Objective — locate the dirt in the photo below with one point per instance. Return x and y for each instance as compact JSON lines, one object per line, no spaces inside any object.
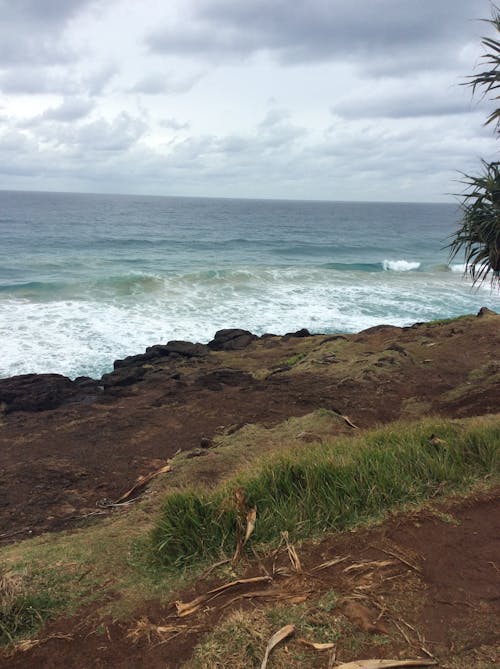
{"x":431,"y":578}
{"x":62,"y":464}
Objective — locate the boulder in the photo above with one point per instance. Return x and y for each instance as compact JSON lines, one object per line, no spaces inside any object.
{"x":125,"y":376}
{"x":484,"y":311}
{"x":36,"y":392}
{"x":187,"y":349}
{"x":135,"y":360}
{"x":232,"y":339}
{"x":304,"y":332}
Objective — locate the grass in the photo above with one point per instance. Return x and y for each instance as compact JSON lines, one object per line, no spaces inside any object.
{"x":327,"y":487}
{"x":21,"y":612}
{"x":305,"y":488}
{"x":240,"y":640}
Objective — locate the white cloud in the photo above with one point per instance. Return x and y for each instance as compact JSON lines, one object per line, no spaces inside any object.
{"x":326,"y":99}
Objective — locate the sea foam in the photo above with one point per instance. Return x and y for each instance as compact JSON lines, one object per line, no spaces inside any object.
{"x":400,"y":265}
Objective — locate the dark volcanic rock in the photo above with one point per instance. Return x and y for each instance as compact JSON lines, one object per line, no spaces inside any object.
{"x":135,"y":360}
{"x":125,"y":376}
{"x":304,"y":332}
{"x":232,"y":339}
{"x":185,"y":349}
{"x":484,"y":311}
{"x":35,"y":392}
{"x":175,"y":349}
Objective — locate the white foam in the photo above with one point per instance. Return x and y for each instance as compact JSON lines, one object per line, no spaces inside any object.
{"x":84,"y":336}
{"x":400,"y":265}
{"x":458,"y":267}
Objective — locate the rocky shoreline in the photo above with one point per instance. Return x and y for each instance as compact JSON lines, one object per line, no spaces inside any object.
{"x":66,"y":445}
{"x":41,"y":392}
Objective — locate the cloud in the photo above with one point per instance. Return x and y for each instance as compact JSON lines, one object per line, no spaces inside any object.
{"x":386,"y":35}
{"x":393,"y":98}
{"x":174,"y":124}
{"x":31,"y":30}
{"x":71,"y":109}
{"x":41,"y":80}
{"x":164,"y":84}
{"x":116,"y":135}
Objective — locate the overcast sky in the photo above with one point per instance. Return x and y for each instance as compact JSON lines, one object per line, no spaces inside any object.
{"x":307,"y":99}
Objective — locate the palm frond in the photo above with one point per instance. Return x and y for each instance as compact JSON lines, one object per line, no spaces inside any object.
{"x":479,"y":235}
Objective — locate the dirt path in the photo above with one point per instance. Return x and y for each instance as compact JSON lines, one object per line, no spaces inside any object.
{"x":431,"y":580}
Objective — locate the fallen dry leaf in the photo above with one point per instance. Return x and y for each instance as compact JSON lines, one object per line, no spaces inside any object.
{"x":364,"y":618}
{"x":349,"y":422}
{"x":385,"y":664}
{"x":329,"y":563}
{"x":144,"y":629}
{"x":187,"y":608}
{"x":292,"y":554}
{"x":316,"y":646}
{"x":141,"y":482}
{"x":251,"y":519}
{"x":277,"y":638}
{"x":360,"y":566}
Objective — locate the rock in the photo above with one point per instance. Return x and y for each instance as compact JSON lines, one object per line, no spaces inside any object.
{"x":135,"y":360}
{"x":232,"y":339}
{"x":184,"y":349}
{"x":187,"y":349}
{"x":206,"y":442}
{"x":123,"y":377}
{"x":304,"y":332}
{"x":85,"y":382}
{"x":484,"y":311}
{"x":35,"y":392}
{"x":174,"y":349}
{"x":195,"y":453}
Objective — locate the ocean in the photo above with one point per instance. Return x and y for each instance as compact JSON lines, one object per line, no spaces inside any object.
{"x":86,"y":279}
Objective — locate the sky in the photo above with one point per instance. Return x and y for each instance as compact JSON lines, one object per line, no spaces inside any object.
{"x":297,"y":99}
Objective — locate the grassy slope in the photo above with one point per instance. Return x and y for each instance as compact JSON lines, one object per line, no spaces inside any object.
{"x":306,"y":488}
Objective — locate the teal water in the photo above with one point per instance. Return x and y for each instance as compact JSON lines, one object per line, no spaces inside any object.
{"x":86,"y":279}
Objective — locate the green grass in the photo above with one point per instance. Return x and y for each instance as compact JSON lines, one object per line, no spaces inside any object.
{"x":22,"y":612}
{"x":328,"y":487}
{"x":294,"y":359}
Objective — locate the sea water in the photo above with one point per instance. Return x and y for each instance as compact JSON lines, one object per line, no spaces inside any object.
{"x":86,"y":279}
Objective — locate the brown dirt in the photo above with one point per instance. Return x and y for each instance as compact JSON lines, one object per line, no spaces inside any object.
{"x":431,"y":579}
{"x":58,"y":464}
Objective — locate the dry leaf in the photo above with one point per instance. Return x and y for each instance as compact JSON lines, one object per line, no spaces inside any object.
{"x":329,"y":563}
{"x":144,"y":629}
{"x":364,"y":618}
{"x":316,"y":646}
{"x":292,"y":554}
{"x":350,"y":423}
{"x":385,"y":664}
{"x":277,"y":638}
{"x":251,"y":518}
{"x":379,"y":564}
{"x":141,"y":482}
{"x":186,"y":609}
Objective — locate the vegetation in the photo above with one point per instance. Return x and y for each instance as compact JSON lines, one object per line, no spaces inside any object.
{"x":328,"y":487}
{"x":479,"y":234}
{"x":21,"y":612}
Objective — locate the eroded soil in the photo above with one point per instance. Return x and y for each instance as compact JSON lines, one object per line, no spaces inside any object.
{"x":439,"y":594}
{"x":58,"y":465}
{"x":430,"y":579}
